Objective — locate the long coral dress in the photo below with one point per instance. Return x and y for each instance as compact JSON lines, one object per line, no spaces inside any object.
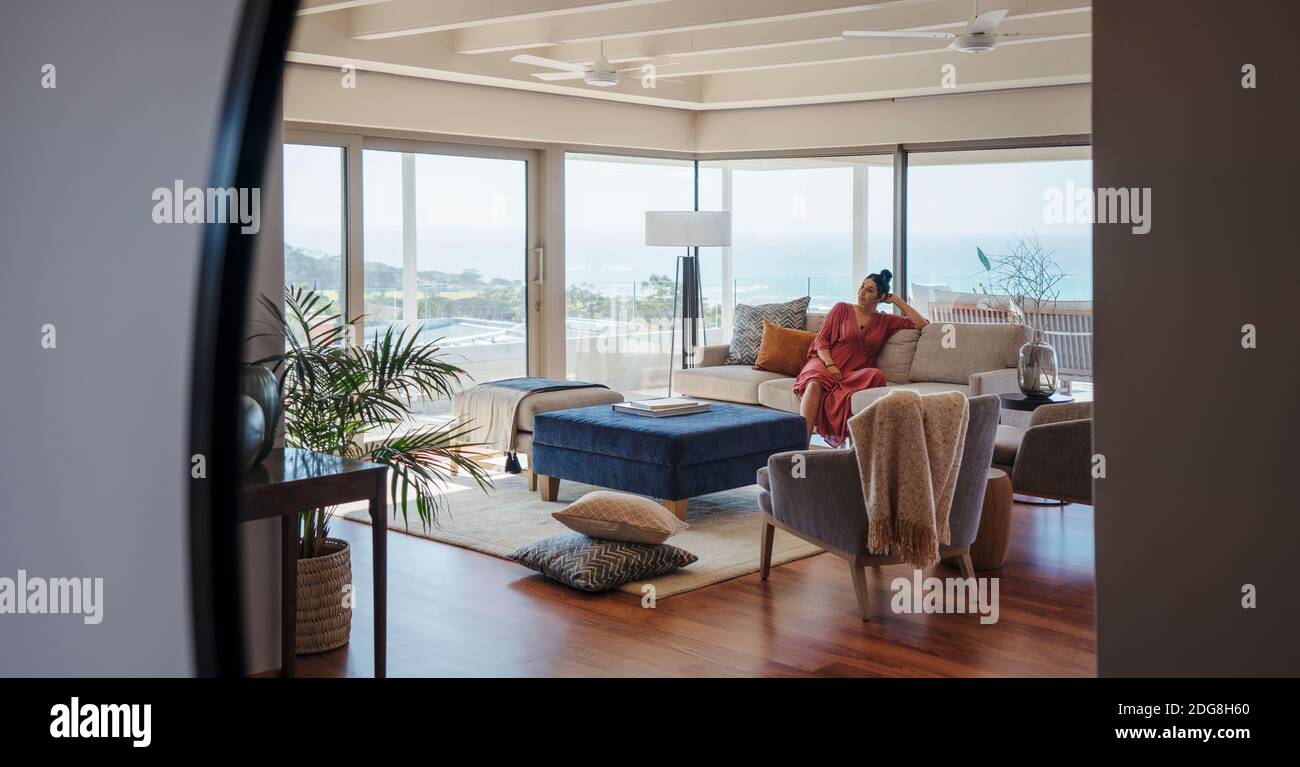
{"x":854,"y":352}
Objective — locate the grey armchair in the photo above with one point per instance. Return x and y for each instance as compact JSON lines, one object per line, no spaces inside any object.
{"x":1052,"y":458}
{"x":825,"y":505}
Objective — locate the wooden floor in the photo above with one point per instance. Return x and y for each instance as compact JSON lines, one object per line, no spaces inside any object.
{"x":455,"y":612}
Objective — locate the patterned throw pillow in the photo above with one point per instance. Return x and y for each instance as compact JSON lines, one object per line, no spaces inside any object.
{"x":620,"y":517}
{"x":748,"y":333}
{"x":591,"y":565}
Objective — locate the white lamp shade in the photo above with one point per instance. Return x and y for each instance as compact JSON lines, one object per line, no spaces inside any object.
{"x":688,"y":228}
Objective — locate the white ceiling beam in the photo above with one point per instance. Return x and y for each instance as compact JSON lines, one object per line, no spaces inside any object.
{"x":1037,"y":31}
{"x":400,"y":18}
{"x":943,"y":15}
{"x":312,"y":7}
{"x":671,"y":16}
{"x":758,"y":72}
{"x":323,"y":40}
{"x":1012,"y":66}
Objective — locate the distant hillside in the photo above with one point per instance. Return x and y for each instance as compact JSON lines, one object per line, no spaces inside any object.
{"x":303,"y":268}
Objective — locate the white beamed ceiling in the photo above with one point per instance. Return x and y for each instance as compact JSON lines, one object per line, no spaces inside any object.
{"x":719,"y":54}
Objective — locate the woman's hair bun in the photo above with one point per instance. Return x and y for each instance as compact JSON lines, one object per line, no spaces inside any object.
{"x":882,"y":280}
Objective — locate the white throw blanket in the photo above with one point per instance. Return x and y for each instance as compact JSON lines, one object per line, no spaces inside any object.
{"x":491,"y":411}
{"x":909,"y":450}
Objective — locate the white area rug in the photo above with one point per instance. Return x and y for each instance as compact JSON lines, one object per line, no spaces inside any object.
{"x":723,"y":533}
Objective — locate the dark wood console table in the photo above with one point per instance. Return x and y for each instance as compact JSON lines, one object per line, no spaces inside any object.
{"x":291,"y":480}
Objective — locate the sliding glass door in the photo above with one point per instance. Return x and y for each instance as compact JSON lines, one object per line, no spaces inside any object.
{"x":996,"y":200}
{"x":618,"y":290}
{"x":1024,"y":210}
{"x":807,"y":226}
{"x":446,"y":254}
{"x":315,"y":220}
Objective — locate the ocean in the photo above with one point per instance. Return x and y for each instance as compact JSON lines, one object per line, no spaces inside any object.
{"x":766,"y":266}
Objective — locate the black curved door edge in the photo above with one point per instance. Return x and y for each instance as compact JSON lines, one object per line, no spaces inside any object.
{"x":248,"y":107}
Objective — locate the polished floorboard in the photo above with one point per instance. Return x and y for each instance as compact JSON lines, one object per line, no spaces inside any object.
{"x":456,"y":612}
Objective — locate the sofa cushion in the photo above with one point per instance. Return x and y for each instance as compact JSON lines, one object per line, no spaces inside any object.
{"x":728,"y":383}
{"x":865,"y":397}
{"x":546,"y":401}
{"x":814,"y":322}
{"x":778,"y":394}
{"x":620,"y":517}
{"x":594,"y":565}
{"x":895,"y":357}
{"x":972,"y":348}
{"x":747,"y":332}
{"x":783,"y":350}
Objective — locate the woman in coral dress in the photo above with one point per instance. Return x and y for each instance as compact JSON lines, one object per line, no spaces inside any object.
{"x":842,"y":358}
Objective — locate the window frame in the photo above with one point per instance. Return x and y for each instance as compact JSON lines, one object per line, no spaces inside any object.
{"x":545,"y":204}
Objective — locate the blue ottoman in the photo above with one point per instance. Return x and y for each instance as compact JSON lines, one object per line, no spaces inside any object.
{"x":673,"y":458}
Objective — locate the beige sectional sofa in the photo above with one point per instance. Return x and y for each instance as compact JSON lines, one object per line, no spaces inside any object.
{"x":978,"y":359}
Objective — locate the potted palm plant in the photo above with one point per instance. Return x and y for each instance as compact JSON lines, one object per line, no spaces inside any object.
{"x":1024,"y":283}
{"x":358,"y":402}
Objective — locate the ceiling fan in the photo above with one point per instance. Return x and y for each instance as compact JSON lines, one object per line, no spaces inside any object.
{"x":599,"y":73}
{"x":978,"y":37}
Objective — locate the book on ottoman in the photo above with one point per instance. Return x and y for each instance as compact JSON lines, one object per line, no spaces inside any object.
{"x":664,"y":406}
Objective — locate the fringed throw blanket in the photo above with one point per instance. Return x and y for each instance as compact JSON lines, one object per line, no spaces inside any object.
{"x":909,"y":449}
{"x":492,"y":408}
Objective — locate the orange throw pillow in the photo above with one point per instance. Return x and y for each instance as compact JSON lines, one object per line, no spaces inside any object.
{"x":783,"y":350}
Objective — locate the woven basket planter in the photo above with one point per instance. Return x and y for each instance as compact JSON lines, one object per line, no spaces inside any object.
{"x":324,"y":607}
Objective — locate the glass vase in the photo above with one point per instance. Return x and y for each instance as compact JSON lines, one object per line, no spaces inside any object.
{"x":1037,"y":368}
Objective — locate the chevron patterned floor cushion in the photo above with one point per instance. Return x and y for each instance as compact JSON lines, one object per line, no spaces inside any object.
{"x":590,"y":564}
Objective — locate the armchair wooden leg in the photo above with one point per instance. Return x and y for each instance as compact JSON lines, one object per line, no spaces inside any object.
{"x":532,"y":481}
{"x":859,"y":574}
{"x":765,"y":550}
{"x":966,"y":566}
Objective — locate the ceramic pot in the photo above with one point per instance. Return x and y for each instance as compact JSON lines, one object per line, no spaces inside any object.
{"x":252,"y":430}
{"x":259,"y":384}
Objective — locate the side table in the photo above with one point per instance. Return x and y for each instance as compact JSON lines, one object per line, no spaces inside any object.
{"x":989,"y":551}
{"x":291,"y":480}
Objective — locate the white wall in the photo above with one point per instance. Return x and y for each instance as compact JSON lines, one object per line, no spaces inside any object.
{"x":259,"y":542}
{"x":394,"y":102}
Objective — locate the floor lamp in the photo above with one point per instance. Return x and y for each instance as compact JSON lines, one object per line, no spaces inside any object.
{"x":690,"y":229}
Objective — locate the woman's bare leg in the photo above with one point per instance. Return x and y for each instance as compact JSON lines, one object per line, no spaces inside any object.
{"x":809,"y":405}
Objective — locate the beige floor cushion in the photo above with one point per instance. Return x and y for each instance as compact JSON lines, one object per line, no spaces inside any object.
{"x":620,"y":517}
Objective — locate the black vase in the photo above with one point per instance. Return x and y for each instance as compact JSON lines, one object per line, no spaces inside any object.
{"x":252,"y":430}
{"x":259,"y":385}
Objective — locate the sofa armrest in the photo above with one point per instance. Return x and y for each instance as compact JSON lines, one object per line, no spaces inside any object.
{"x":711,"y":356}
{"x":1055,"y":460}
{"x":823,"y":498}
{"x":1002,"y":381}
